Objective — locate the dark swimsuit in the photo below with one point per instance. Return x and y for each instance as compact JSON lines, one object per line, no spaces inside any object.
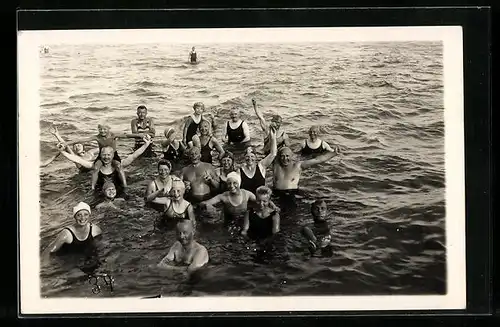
{"x":206,"y":152}
{"x":77,"y":246}
{"x":172,"y":154}
{"x":192,"y":128}
{"x":260,"y":228}
{"x":251,"y":184}
{"x":171,"y":214}
{"x":193,"y":56}
{"x":235,"y":135}
{"x":322,"y":232}
{"x":306,"y":150}
{"x":138,"y":142}
{"x":114,"y":178}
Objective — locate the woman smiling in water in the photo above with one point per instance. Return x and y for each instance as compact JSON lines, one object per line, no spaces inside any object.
{"x":176,"y":208}
{"x":158,"y":190}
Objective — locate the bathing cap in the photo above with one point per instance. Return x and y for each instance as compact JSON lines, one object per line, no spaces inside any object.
{"x":234,"y":176}
{"x":107,"y":185}
{"x":169,"y":132}
{"x":81,"y":206}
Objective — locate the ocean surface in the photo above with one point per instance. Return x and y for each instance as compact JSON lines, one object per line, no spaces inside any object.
{"x":381,"y":102}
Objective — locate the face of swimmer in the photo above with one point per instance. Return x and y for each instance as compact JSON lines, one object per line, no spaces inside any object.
{"x":78,"y":148}
{"x":171,"y":136}
{"x":263,"y":201}
{"x":194,"y":155}
{"x":205,"y":128}
{"x":82,"y":217}
{"x":250,"y":158}
{"x":110,"y":192}
{"x":234,"y":115}
{"x":142,"y":112}
{"x":185,"y":232}
{"x":226,"y":163}
{"x":232,"y":186}
{"x":103,"y":130}
{"x":198,"y":109}
{"x":275,"y":123}
{"x":177,"y":191}
{"x":285,"y":156}
{"x":313,"y":133}
{"x":163,"y":171}
{"x":319,"y":211}
{"x":107,"y":155}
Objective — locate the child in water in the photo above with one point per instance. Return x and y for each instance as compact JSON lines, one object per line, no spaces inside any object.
{"x":318,"y":234}
{"x":110,"y":200}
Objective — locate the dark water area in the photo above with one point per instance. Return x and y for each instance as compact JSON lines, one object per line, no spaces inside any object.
{"x":381,"y":102}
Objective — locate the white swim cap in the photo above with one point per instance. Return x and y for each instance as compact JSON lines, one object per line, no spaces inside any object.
{"x":81,"y":206}
{"x":234,"y":176}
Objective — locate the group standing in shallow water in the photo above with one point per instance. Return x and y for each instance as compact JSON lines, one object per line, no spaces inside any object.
{"x":189,"y":183}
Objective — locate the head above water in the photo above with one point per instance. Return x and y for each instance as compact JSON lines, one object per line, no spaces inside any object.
{"x":164,"y":167}
{"x":194,"y":154}
{"x":169,"y":133}
{"x":227,"y":161}
{"x":81,"y":213}
{"x":198,"y":108}
{"x":107,"y":154}
{"x":103,"y":129}
{"x":318,"y":210}
{"x":142,"y":112}
{"x":313,"y":132}
{"x":250,"y":157}
{"x":263,"y":196}
{"x":276,"y":121}
{"x":178,"y":189}
{"x":205,"y":128}
{"x":109,"y":190}
{"x":192,"y":48}
{"x":233,"y":181}
{"x":78,"y":148}
{"x":185,"y":231}
{"x":234,"y":114}
{"x":285,"y":155}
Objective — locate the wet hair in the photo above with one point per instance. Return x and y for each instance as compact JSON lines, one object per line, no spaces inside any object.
{"x":316,"y":204}
{"x":192,"y":149}
{"x":314,"y":127}
{"x":263,"y":191}
{"x":103,"y":125}
{"x":198,"y":104}
{"x":141,"y":107}
{"x":204,"y":121}
{"x":164,"y":162}
{"x":108,"y":185}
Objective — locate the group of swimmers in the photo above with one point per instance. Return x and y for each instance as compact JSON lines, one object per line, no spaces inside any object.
{"x":189,"y":183}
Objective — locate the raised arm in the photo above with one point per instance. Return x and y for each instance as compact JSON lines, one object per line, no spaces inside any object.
{"x":320,"y":159}
{"x":246,"y":131}
{"x":127,"y":161}
{"x":268,"y":160}
{"x":187,"y":121}
{"x":262,"y":121}
{"x":218,"y":147}
{"x":199,"y":260}
{"x":83,"y":141}
{"x":75,"y":158}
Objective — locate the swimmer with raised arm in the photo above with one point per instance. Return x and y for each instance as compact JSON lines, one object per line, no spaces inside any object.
{"x":108,"y":171}
{"x":276,"y":121}
{"x":236,"y":130}
{"x":193,"y":121}
{"x":207,"y":143}
{"x":315,"y":145}
{"x":185,"y":252}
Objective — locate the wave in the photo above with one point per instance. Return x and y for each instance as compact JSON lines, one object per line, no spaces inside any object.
{"x":377,"y":83}
{"x":90,"y":95}
{"x":54,"y":104}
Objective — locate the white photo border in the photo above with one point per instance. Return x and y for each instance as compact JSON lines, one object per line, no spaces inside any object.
{"x":31,"y":302}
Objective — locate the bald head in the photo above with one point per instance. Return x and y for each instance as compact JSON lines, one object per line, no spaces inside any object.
{"x":285,"y":155}
{"x":185,"y":231}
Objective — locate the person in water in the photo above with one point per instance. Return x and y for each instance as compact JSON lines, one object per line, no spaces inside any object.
{"x":201,"y":178}
{"x":234,"y":201}
{"x":237,"y":130}
{"x":206,"y":142}
{"x":78,"y":237}
{"x":106,"y":138}
{"x":110,"y":199}
{"x":108,"y":171}
{"x":192,"y":123}
{"x":143,"y":125}
{"x":276,"y":121}
{"x":263,"y":221}
{"x":78,"y":149}
{"x":314,"y":145}
{"x":253,"y":173}
{"x":286,"y":172}
{"x":173,"y":149}
{"x":158,"y":190}
{"x":226,"y":167}
{"x":176,"y":207}
{"x":185,"y":252}
{"x":318,"y":235}
{"x":193,"y":57}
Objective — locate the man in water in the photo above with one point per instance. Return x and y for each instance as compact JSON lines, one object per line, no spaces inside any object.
{"x":186,"y":251}
{"x":143,"y":125}
{"x":286,"y":173}
{"x":192,"y":56}
{"x":201,"y":178}
{"x":276,"y":125}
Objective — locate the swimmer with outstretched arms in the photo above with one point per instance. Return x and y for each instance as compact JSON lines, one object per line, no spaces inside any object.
{"x":193,"y":121}
{"x":185,"y":252}
{"x":201,"y":178}
{"x":315,"y":145}
{"x":276,"y":121}
{"x":286,"y":171}
{"x":78,"y":149}
{"x":143,"y":125}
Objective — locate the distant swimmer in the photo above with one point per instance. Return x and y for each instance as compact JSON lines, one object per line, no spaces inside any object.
{"x":78,"y":237}
{"x":276,"y":121}
{"x":143,"y":125}
{"x":237,"y":130}
{"x":110,"y":199}
{"x":158,"y":190}
{"x":314,"y":145}
{"x":192,"y":123}
{"x":207,"y":142}
{"x":286,"y":171}
{"x":185,"y":252}
{"x":193,"y":56}
{"x":201,"y":178}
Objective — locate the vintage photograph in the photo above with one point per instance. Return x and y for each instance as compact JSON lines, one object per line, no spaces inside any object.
{"x":238,"y":164}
